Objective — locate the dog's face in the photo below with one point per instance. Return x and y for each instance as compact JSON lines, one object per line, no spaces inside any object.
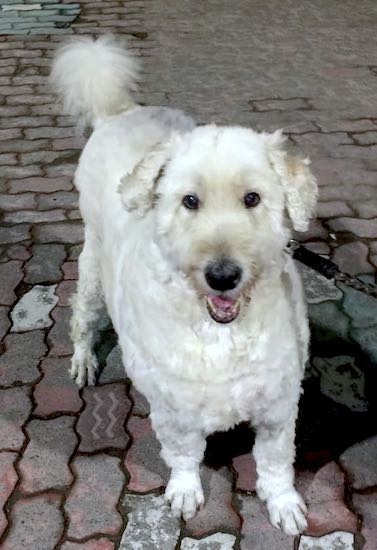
{"x":219,"y":210}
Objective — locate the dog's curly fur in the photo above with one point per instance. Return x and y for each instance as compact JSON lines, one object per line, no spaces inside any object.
{"x":159,"y":265}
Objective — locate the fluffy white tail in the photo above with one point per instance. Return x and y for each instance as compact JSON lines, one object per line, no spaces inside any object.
{"x":94,"y":78}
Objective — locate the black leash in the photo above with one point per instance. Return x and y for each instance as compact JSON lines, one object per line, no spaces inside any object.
{"x":328,"y":269}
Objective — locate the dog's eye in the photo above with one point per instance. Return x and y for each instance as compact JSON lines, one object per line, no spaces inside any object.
{"x":191,"y":202}
{"x":251,"y":200}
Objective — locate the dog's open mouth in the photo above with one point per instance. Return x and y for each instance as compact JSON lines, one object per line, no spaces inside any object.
{"x":222,"y":309}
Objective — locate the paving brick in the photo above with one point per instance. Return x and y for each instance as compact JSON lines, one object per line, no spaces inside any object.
{"x":37,"y":523}
{"x":141,"y":405}
{"x":317,"y":288}
{"x":352,"y":258}
{"x":114,"y":370}
{"x":44,"y":463}
{"x":60,"y":199}
{"x":328,"y":322}
{"x":8,"y":159}
{"x":19,"y":252}
{"x":45,"y":263}
{"x":217,"y":514}
{"x":334,"y":541}
{"x":56,"y":392}
{"x":22,"y":146}
{"x":359,"y":461}
{"x":366,"y":339}
{"x":333,"y":209}
{"x":33,"y":309}
{"x":245,"y":468}
{"x":14,"y":234}
{"x":15,"y":407}
{"x":315,"y":231}
{"x":92,"y":503}
{"x":324,"y":497}
{"x":257,"y":532}
{"x":21,"y":171}
{"x":361,"y":228}
{"x":61,"y":232}
{"x":74,"y":252}
{"x":147,"y":470}
{"x":26,"y":121}
{"x":222,"y":541}
{"x":8,"y":480}
{"x":10,"y":275}
{"x":70,"y":270}
{"x":40,"y":185}
{"x":58,"y":337}
{"x":15,"y":365}
{"x":33,"y":216}
{"x":68,"y":143}
{"x":365,"y":209}
{"x":18,"y":202}
{"x":150,"y":522}
{"x":65,"y":291}
{"x":49,"y":132}
{"x":360,"y":307}
{"x":4,"y":321}
{"x":366,"y":506}
{"x":94,"y":544}
{"x":10,"y":133}
{"x":100,"y":425}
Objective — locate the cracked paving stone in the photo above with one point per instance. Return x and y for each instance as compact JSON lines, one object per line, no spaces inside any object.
{"x":339,"y":540}
{"x":15,"y":407}
{"x":94,"y":544}
{"x":101,"y":424}
{"x":360,"y":463}
{"x":15,"y":365}
{"x":328,"y":321}
{"x":342,"y":381}
{"x":257,"y":532}
{"x":8,"y":480}
{"x":10,"y":275}
{"x":36,"y":523}
{"x":317,"y":288}
{"x":361,"y":308}
{"x":58,"y":337}
{"x":45,"y":264}
{"x":33,"y":310}
{"x":366,"y":505}
{"x":92,"y":503}
{"x":218,"y":541}
{"x":245,"y":468}
{"x":114,"y":370}
{"x":56,"y":392}
{"x":147,"y":470}
{"x":44,"y":464}
{"x":323,"y":493}
{"x":151,"y":524}
{"x":217,"y":514}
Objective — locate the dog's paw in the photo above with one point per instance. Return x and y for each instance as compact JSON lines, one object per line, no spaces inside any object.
{"x":288,"y":512}
{"x":84,"y":366}
{"x":185,"y":494}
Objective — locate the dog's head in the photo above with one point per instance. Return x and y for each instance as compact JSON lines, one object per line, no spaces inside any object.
{"x":221,"y":200}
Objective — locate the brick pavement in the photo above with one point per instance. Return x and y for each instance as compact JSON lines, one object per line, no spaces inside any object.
{"x":72,"y":480}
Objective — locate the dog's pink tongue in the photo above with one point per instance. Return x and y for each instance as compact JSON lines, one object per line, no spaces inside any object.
{"x":223,"y":302}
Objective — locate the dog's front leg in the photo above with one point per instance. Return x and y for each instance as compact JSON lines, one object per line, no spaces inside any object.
{"x":274,"y":452}
{"x":182,"y":448}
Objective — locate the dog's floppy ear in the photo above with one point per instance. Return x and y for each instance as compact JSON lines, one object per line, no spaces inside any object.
{"x":138,"y":188}
{"x":299,"y":184}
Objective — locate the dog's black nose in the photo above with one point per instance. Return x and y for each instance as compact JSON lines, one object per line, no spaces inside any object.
{"x":223,"y":275}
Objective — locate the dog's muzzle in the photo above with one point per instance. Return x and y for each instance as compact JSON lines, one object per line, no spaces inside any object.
{"x":222,"y":275}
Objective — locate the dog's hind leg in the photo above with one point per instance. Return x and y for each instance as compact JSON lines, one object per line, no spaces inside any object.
{"x":183,"y":448}
{"x":86,"y":305}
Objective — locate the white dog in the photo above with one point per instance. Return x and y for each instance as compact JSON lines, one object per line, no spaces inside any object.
{"x":186,"y":230}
